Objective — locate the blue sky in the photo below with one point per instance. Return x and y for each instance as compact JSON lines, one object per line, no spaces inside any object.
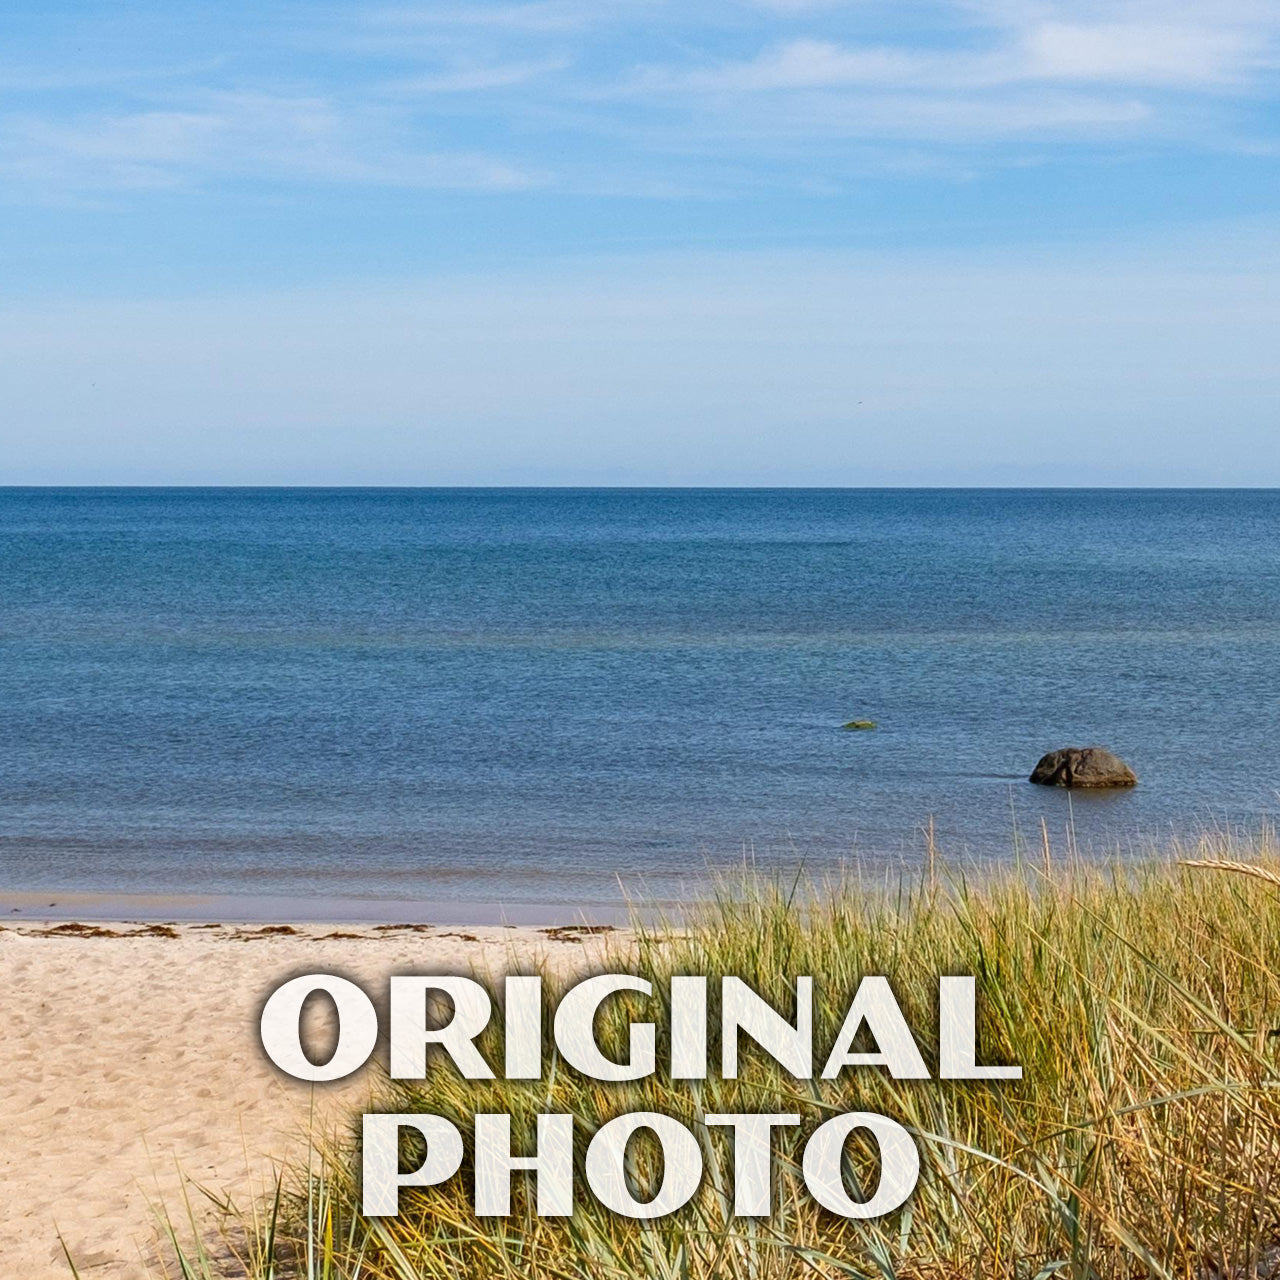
{"x":767,"y":241}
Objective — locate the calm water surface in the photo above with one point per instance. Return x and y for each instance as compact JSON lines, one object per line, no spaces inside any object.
{"x":521,"y":695}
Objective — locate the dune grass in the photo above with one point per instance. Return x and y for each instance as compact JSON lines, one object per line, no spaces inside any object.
{"x":1143,"y":1004}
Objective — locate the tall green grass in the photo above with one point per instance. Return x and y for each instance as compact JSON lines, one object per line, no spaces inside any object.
{"x":1143,"y":1140}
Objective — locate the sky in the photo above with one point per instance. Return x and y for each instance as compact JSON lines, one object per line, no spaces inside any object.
{"x":637,"y":242}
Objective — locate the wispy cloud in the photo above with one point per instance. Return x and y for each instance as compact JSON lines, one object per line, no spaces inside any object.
{"x":950,"y":118}
{"x":235,"y":134}
{"x":535,"y":16}
{"x":1007,"y":69}
{"x":640,"y":96}
{"x":1186,"y":56}
{"x":477,"y":79}
{"x":79,"y":74}
{"x":1131,"y":54}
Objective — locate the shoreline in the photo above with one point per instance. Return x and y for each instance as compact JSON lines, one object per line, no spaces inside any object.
{"x":52,"y":906}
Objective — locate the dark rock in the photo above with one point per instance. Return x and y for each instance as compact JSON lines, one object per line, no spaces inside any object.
{"x":1083,"y":767}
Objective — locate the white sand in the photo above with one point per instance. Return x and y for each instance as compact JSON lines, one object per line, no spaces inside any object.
{"x":130,"y":1067}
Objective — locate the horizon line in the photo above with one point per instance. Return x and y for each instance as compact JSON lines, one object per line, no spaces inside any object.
{"x":641,"y":488}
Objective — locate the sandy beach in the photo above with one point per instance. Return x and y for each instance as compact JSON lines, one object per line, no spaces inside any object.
{"x":130,"y":1069}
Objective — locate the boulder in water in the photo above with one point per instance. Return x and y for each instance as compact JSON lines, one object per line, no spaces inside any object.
{"x":1083,"y":767}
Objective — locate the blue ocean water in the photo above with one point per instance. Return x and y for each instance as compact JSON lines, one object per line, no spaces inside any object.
{"x":520,"y":696}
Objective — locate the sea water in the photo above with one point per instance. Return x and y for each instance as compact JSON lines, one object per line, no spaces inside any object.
{"x":553,"y":696}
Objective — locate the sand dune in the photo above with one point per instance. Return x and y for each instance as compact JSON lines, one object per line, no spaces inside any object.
{"x":130,"y":1070}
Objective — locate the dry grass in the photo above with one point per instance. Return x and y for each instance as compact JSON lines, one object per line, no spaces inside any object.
{"x":1144,"y":1140}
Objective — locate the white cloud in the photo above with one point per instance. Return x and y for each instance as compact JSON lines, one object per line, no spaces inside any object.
{"x":86,"y":73}
{"x":792,"y":8}
{"x":953,"y":118}
{"x":1024,"y":69}
{"x":1139,"y":54}
{"x":535,"y":16}
{"x":632,"y":96}
{"x":802,"y":64}
{"x":1130,"y":54}
{"x":147,"y":149}
{"x":262,"y":135}
{"x":477,"y":79}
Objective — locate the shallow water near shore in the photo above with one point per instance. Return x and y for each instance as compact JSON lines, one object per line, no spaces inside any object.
{"x":523,"y":697}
